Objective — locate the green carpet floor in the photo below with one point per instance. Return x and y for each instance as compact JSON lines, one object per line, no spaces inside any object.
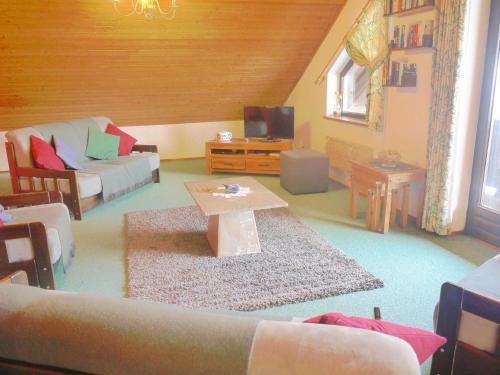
{"x":412,"y":264}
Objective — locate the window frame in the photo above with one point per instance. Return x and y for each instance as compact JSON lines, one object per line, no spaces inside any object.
{"x":340,"y":82}
{"x":334,"y":97}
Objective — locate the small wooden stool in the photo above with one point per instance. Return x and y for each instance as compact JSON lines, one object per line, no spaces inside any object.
{"x":384,"y":184}
{"x":373,"y":208}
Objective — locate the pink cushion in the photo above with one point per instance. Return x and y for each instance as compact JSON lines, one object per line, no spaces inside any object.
{"x":44,"y":155}
{"x":423,"y":342}
{"x":126,"y":140}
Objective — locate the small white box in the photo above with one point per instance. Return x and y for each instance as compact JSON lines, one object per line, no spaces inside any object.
{"x":224,"y":136}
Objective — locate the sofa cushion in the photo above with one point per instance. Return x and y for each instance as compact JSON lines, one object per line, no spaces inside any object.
{"x":44,"y":155}
{"x":66,"y":154}
{"x":74,"y":133}
{"x":127,"y":142}
{"x":20,"y":138}
{"x":102,"y":122}
{"x":423,"y":342}
{"x":102,"y":146}
{"x":89,"y":184}
{"x":57,"y":222}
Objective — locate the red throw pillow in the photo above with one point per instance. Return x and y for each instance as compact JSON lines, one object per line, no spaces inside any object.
{"x":44,"y":155}
{"x":423,"y":342}
{"x":126,"y":140}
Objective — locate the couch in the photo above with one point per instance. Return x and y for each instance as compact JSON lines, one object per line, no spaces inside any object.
{"x":82,"y":190}
{"x":62,"y":331}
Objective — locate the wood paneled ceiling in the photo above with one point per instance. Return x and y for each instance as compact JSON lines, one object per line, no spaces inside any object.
{"x":63,"y":59}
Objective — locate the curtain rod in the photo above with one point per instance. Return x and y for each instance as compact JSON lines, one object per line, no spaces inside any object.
{"x":321,"y":77}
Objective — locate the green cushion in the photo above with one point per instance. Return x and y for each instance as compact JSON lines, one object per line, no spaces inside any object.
{"x":101,"y":145}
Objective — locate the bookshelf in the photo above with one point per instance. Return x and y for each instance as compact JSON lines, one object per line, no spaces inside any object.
{"x":399,"y":86}
{"x":412,"y":10}
{"x":414,"y":34}
{"x":422,"y":48}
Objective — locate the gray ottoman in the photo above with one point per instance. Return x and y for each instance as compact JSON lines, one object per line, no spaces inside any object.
{"x":304,"y":171}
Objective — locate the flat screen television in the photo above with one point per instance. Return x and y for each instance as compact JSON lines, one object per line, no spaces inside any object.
{"x":269,"y":122}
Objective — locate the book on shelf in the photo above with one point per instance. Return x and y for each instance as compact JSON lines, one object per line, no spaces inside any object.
{"x":427,"y":33}
{"x":409,"y":75}
{"x":416,"y":35}
{"x":394,"y":6}
{"x":400,"y":74}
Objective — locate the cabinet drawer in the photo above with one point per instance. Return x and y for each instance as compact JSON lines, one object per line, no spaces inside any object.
{"x":263,"y":164}
{"x":228,"y":163}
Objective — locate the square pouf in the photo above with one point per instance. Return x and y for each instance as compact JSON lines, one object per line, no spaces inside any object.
{"x":304,"y":171}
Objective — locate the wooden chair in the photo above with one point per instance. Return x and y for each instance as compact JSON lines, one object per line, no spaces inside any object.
{"x":37,"y":271}
{"x":457,"y":357}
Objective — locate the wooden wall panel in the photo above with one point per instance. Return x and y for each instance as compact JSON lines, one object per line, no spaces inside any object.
{"x":64,"y":59}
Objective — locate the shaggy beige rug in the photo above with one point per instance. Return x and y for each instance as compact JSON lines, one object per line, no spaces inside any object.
{"x":169,"y":260}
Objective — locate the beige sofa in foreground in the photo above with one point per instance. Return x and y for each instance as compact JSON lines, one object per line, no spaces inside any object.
{"x":99,"y":335}
{"x":82,"y":190}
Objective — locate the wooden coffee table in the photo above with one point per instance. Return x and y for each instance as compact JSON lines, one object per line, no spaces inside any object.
{"x":231,"y":221}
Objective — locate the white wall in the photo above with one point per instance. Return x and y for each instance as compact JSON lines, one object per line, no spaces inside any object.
{"x":183,"y":140}
{"x":407,"y":109}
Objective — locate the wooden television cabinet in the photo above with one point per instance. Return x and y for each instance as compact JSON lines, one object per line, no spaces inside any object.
{"x":245,"y":156}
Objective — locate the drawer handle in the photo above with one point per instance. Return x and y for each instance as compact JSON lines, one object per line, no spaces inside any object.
{"x":228,"y":164}
{"x":263,"y":165}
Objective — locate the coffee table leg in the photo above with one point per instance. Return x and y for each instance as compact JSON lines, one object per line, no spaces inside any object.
{"x":233,"y":234}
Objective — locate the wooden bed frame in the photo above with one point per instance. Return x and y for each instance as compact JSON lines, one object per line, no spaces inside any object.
{"x":456,"y":357}
{"x":38,"y":270}
{"x":72,"y":199}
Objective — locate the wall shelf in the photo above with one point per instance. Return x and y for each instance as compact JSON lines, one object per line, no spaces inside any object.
{"x":431,"y":49}
{"x":414,"y":10}
{"x":398,"y":86}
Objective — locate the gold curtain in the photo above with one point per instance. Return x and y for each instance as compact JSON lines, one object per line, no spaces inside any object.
{"x":366,"y":44}
{"x":447,"y":70}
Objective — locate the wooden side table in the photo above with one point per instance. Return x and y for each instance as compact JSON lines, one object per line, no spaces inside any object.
{"x":369,"y":178}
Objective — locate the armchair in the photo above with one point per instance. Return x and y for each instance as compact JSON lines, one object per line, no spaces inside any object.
{"x":39,"y":237}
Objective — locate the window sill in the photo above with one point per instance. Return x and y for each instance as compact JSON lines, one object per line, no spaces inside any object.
{"x":349,"y":120}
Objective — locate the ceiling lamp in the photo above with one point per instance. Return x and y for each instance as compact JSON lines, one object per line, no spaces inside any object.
{"x":149,"y":8}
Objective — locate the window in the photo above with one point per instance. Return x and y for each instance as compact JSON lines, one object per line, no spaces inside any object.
{"x":347,"y":89}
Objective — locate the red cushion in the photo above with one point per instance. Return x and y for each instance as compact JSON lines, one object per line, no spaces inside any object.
{"x":126,"y":140}
{"x":44,"y":155}
{"x":423,"y":342}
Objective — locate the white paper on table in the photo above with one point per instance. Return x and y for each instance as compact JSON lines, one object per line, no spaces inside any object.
{"x":243,"y":192}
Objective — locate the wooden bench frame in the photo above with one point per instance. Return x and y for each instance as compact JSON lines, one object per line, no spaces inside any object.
{"x":39,"y":270}
{"x":72,"y":199}
{"x":456,"y":357}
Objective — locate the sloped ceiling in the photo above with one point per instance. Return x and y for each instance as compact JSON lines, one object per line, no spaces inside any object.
{"x":63,"y":59}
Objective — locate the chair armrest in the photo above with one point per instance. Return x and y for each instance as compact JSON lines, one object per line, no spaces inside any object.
{"x":39,"y":269}
{"x":71,"y":198}
{"x":44,"y":173}
{"x":145,"y":148}
{"x":31,"y":199}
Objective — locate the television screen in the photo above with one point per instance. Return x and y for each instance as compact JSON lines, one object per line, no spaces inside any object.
{"x":274,"y":122}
